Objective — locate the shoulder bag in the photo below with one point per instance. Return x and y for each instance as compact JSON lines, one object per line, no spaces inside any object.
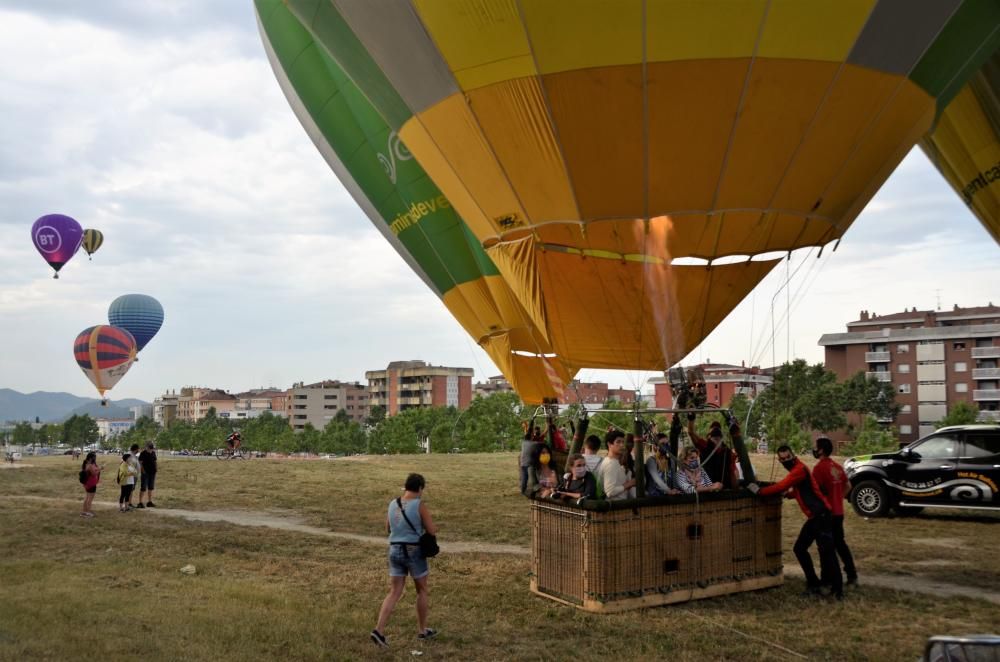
{"x":428,"y":541}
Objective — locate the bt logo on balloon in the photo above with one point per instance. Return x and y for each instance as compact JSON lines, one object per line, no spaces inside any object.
{"x":48,"y":239}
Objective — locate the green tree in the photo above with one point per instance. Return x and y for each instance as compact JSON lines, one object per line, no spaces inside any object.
{"x":80,"y":430}
{"x":490,"y":424}
{"x":786,"y":430}
{"x":376,"y":414}
{"x":866,"y":396}
{"x":342,"y":416}
{"x":961,"y":414}
{"x":871,"y":438}
{"x":24,"y":434}
{"x":810,"y":393}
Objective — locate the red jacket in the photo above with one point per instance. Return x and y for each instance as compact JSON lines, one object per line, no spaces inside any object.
{"x":832,"y":483}
{"x":558,"y":442}
{"x":804,"y":489}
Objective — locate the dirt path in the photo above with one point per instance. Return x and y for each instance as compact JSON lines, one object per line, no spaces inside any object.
{"x":911,"y":584}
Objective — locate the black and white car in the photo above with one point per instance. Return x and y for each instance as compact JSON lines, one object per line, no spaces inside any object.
{"x":954,"y":467}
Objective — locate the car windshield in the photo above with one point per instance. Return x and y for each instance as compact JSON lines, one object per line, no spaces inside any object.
{"x":943,"y":446}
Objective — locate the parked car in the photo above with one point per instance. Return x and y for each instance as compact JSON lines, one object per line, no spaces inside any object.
{"x":954,"y":467}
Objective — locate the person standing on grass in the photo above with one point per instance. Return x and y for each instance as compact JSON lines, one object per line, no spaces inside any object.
{"x":832,"y":482}
{"x":147,"y":482}
{"x":406,"y":521}
{"x":801,"y":485}
{"x":123,"y":481}
{"x":134,"y":472}
{"x":90,"y":473}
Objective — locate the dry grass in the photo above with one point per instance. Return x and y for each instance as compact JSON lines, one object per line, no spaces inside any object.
{"x":71,"y":588}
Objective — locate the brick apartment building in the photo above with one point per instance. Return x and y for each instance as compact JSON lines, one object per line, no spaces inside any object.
{"x":596,"y":393}
{"x":319,"y":403}
{"x":406,"y":384}
{"x":497,"y":384}
{"x":933,"y":359}
{"x":722,"y":382}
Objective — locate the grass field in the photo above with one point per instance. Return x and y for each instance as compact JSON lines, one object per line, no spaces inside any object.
{"x":110,"y":587}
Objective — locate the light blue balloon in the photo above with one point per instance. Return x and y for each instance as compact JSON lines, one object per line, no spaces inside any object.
{"x":139,"y":314}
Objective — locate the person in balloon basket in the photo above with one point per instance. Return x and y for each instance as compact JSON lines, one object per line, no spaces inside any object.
{"x":147,"y":481}
{"x":691,"y":477}
{"x":407,"y":519}
{"x":717,"y":458}
{"x":579,"y":483}
{"x":801,"y":485}
{"x":832,"y":481}
{"x":134,"y":473}
{"x":529,"y":443}
{"x":542,"y":476}
{"x":90,"y":476}
{"x":612,"y":473}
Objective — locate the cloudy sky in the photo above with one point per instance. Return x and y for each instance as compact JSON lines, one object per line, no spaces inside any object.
{"x":160,"y":123}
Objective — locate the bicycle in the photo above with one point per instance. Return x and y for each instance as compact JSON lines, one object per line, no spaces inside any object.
{"x":238,"y":453}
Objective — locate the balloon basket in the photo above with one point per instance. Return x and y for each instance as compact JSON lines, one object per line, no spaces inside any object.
{"x":606,"y":557}
{"x":104,"y":403}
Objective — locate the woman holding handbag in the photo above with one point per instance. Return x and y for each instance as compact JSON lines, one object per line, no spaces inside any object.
{"x":407,"y":521}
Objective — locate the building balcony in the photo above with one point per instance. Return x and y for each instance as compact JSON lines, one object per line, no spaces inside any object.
{"x":986,"y":395}
{"x":986,"y":373}
{"x":877,"y":357}
{"x":882,"y":376}
{"x":986,"y":352}
{"x":988,"y":417}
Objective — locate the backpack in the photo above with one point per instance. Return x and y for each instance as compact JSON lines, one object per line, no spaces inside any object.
{"x":83,"y":476}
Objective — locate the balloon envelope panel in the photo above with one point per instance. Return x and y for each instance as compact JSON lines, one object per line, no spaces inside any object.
{"x":140,"y":314}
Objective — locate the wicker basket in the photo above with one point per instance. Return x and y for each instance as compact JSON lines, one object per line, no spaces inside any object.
{"x":611,"y":556}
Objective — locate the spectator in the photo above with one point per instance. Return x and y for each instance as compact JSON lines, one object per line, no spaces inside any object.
{"x":691,"y":477}
{"x":147,"y":482}
{"x":90,"y":476}
{"x":407,"y":519}
{"x":126,"y":481}
{"x":134,"y":473}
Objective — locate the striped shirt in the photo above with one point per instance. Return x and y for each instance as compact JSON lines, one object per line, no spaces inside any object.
{"x":685,"y":485}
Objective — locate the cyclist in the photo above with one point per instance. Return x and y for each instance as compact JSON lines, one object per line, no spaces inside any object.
{"x":234,"y":441}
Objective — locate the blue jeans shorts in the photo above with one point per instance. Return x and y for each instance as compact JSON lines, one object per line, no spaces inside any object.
{"x":406,"y":560}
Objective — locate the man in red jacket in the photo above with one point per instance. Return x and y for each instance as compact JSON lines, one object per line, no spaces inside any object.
{"x":833,"y":483}
{"x":801,"y":485}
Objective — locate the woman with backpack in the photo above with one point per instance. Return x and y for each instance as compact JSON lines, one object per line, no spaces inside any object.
{"x":90,"y":476}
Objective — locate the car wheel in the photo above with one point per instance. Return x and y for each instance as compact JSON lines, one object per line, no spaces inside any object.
{"x":908,"y":511}
{"x":870,"y":499}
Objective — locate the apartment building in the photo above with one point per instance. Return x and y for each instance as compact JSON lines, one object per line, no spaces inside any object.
{"x":194,"y":402}
{"x":165,"y":409}
{"x":933,"y":359}
{"x":319,"y":403}
{"x":596,"y":393}
{"x":497,"y":384}
{"x":406,"y":384}
{"x":722,"y":382}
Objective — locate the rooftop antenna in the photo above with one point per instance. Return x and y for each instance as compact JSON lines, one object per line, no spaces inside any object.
{"x":938,"y":299}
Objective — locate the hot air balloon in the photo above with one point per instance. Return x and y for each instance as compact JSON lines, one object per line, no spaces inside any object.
{"x":139,"y":314}
{"x":57,"y":238}
{"x":965,"y":145}
{"x":92,"y":240}
{"x":104,"y":353}
{"x":632,"y":169}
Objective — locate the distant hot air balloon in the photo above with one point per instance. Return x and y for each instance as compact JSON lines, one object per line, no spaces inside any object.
{"x":594,"y":149}
{"x":140,"y":314}
{"x":104,"y":353}
{"x":57,"y":238}
{"x":92,"y":240}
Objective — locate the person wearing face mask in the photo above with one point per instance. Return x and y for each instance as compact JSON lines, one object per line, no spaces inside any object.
{"x":692,"y":477}
{"x":833,"y":483}
{"x":658,"y":469}
{"x":801,"y":485}
{"x":542,"y":477}
{"x":578,"y":483}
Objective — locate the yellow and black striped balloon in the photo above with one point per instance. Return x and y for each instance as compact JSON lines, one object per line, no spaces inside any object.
{"x":92,"y":240}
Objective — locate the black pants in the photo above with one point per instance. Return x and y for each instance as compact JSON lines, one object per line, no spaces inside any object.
{"x":843,"y":551}
{"x":819,"y":529}
{"x":125,"y":495}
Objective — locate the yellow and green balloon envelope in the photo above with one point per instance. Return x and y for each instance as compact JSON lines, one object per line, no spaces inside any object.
{"x":92,"y":240}
{"x":597,"y":183}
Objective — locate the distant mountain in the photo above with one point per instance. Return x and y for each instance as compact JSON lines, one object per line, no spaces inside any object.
{"x":57,"y":407}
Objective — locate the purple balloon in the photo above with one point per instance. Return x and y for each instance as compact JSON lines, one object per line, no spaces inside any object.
{"x":57,"y":238}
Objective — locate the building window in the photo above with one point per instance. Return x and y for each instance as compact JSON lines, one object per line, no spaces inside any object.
{"x":961,"y":388}
{"x":904,"y":388}
{"x":903,"y":368}
{"x":905,"y":429}
{"x":329,"y":397}
{"x":958,"y":346}
{"x":905,"y":409}
{"x":960,"y":366}
{"x":902,"y":348}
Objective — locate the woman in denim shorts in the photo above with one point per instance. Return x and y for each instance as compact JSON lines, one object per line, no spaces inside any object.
{"x":405,"y":557}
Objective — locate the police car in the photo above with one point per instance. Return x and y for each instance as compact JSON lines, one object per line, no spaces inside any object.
{"x":954,"y":467}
